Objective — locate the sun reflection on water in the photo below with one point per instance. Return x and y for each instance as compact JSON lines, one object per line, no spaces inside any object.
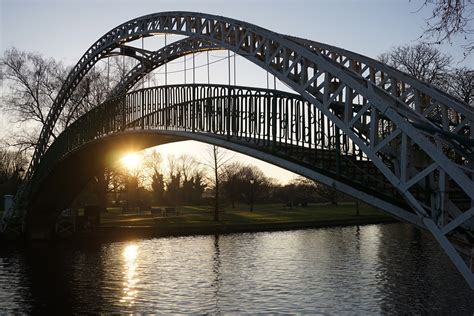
{"x":130,"y":254}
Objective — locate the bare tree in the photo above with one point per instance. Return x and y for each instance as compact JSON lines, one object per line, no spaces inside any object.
{"x":11,"y":163}
{"x":152,"y":162}
{"x":116,"y":69}
{"x":421,"y":61}
{"x":216,"y":162}
{"x":448,"y":19}
{"x":32,"y":83}
{"x":188,"y":166}
{"x":90,"y":92}
{"x":116,"y":184}
{"x":427,"y":63}
{"x":461,"y":84}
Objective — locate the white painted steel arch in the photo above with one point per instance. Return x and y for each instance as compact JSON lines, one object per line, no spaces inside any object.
{"x":419,"y":115}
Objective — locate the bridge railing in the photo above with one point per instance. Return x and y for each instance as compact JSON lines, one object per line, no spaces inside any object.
{"x":277,"y":122}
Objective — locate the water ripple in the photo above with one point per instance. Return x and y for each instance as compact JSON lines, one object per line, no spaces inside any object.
{"x":378,"y":269}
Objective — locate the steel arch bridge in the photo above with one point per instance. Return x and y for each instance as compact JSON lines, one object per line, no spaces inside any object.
{"x":354,"y":123}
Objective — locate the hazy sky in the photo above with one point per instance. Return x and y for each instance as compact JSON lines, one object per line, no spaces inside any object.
{"x":65,"y":29}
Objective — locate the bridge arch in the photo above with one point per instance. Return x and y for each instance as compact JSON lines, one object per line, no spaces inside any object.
{"x":240,"y":37}
{"x":425,"y":150}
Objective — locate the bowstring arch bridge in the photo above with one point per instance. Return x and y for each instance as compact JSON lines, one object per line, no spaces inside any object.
{"x":349,"y":122}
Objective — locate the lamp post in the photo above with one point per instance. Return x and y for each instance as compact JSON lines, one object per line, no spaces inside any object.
{"x":20,"y":172}
{"x":252,"y":181}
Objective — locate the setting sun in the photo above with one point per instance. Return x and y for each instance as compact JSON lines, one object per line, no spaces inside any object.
{"x":131,"y":161}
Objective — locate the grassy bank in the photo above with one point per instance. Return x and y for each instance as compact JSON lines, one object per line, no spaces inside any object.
{"x":199,"y":219}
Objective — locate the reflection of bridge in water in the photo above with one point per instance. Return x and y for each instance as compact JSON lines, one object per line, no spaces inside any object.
{"x":355,"y":124}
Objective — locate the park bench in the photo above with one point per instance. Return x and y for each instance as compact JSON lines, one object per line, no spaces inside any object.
{"x":156,"y":211}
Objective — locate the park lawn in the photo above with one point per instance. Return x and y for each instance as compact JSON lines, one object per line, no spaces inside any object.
{"x":202,"y":216}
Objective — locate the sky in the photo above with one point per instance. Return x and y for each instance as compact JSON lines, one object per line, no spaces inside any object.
{"x":65,"y":29}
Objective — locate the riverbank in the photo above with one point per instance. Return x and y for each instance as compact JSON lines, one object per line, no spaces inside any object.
{"x":198,"y":220}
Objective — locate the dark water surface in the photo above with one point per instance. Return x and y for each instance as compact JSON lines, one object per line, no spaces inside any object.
{"x":373,"y":269}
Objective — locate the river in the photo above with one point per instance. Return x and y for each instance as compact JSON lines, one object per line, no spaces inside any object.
{"x":374,"y":269}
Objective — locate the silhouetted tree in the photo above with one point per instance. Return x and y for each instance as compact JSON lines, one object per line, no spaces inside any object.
{"x":187,"y":191}
{"x":427,"y":63}
{"x":173,"y":189}
{"x":422,"y":61}
{"x":253,"y":184}
{"x":305,"y":190}
{"x":32,"y":83}
{"x":158,"y":187}
{"x":184,"y":182}
{"x":328,"y":193}
{"x":131,"y":188}
{"x":117,"y":185}
{"x":230,"y":182}
{"x":325,"y":192}
{"x":460,"y":84}
{"x":11,"y":163}
{"x":198,"y":187}
{"x":188,"y":167}
{"x":152,"y":169}
{"x":101,"y":187}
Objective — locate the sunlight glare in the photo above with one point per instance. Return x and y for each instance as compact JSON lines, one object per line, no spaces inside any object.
{"x":130,"y":254}
{"x":131,"y":161}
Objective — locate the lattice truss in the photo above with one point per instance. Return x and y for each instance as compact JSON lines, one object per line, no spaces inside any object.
{"x":419,"y":139}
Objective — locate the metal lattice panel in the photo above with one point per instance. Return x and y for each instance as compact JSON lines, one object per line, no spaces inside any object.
{"x":447,"y":112}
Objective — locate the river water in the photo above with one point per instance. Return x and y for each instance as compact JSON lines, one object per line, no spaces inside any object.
{"x":392,"y":268}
